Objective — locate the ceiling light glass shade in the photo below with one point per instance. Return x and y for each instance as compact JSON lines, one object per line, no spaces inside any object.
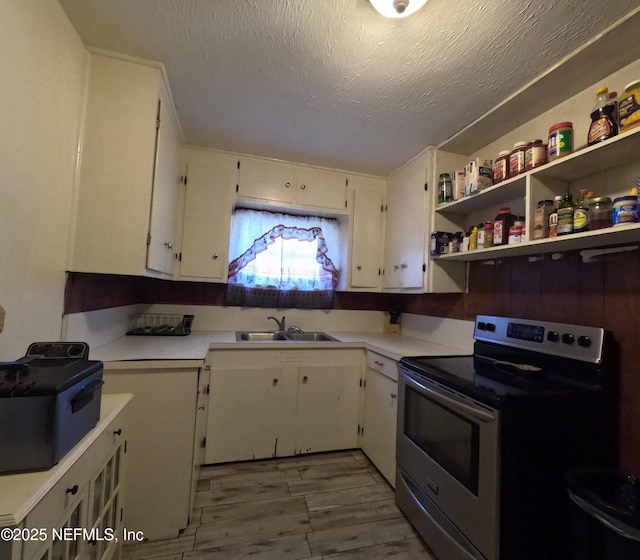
{"x":397,"y":8}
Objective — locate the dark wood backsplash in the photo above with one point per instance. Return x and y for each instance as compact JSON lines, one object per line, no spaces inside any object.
{"x":605,"y":292}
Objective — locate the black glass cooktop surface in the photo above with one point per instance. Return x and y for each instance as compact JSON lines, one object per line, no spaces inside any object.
{"x":501,"y":376}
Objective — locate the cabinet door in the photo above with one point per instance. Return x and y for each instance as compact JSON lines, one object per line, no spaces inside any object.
{"x":267,"y":180}
{"x":380,"y":420}
{"x":367,"y":234}
{"x":160,"y":443}
{"x":321,"y":188}
{"x":405,"y":229}
{"x":116,"y":176}
{"x":251,"y":414}
{"x":164,"y":200}
{"x":200,"y":438}
{"x":328,"y":398}
{"x":207,"y":219}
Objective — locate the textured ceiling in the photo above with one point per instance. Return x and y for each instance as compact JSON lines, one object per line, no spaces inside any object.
{"x":333,"y":83}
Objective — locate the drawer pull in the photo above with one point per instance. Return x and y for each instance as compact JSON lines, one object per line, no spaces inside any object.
{"x":118,"y":432}
{"x":275,"y":381}
{"x":305,"y":379}
{"x":73,"y":490}
{"x":378,"y":363}
{"x":394,"y":395}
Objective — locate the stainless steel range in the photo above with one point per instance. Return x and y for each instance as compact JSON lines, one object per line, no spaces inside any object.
{"x":484,"y":440}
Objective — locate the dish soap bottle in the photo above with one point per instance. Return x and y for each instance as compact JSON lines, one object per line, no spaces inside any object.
{"x":604,"y":124}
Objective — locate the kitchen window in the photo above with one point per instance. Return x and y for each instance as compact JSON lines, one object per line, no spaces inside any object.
{"x":283,"y":260}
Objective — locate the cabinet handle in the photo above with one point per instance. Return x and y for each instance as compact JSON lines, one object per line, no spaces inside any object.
{"x":201,"y":408}
{"x":303,"y":187}
{"x":73,"y":490}
{"x":395,"y":267}
{"x":359,"y":267}
{"x":288,"y":185}
{"x":215,"y":256}
{"x":118,"y":432}
{"x":305,"y":379}
{"x":275,"y":381}
{"x":403,"y":265}
{"x":394,"y":395}
{"x":168,"y":245}
{"x":378,"y":363}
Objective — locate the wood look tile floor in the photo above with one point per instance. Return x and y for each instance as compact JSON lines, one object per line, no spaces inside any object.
{"x":330,"y":506}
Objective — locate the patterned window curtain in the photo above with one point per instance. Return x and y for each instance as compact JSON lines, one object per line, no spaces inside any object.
{"x":280,"y":260}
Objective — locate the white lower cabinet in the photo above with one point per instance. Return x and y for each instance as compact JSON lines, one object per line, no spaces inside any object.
{"x":380,"y":414}
{"x":161,"y":442}
{"x":80,"y":516}
{"x":277,"y":403}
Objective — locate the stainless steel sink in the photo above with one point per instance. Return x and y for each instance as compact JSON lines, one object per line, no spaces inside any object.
{"x":310,"y":336}
{"x":259,"y":336}
{"x":276,"y":336}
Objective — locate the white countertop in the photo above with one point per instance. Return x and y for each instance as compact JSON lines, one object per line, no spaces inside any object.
{"x":194,"y":347}
{"x":20,"y":493}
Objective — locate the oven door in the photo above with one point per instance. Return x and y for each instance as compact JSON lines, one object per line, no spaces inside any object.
{"x":447,"y":448}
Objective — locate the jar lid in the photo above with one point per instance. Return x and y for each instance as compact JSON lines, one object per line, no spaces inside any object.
{"x":632,"y":85}
{"x":444,"y":175}
{"x":600,"y":200}
{"x":505,"y":210}
{"x":507,"y":152}
{"x":545,"y":202}
{"x":564,"y":124}
{"x":519,"y":145}
{"x":535,"y":141}
{"x":625,"y":199}
{"x":602,"y":90}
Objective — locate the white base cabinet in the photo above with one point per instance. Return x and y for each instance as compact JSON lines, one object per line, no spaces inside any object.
{"x":276,"y":403}
{"x":88,"y":495}
{"x":161,"y":443}
{"x":380,"y":414}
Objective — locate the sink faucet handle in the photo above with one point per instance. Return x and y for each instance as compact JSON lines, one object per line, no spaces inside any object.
{"x":295,"y":329}
{"x":281,"y":326}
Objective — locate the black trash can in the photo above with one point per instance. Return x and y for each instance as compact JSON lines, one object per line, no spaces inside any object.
{"x":605,"y":522}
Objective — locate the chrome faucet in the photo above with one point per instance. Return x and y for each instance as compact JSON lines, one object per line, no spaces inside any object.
{"x":281,"y":326}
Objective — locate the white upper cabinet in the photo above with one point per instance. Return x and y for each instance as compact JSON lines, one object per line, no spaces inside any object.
{"x":208,"y":200}
{"x":367,"y":233}
{"x":291,"y":185}
{"x":406,"y":224}
{"x":129,"y":165}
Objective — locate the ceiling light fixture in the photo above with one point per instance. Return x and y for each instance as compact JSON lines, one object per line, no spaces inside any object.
{"x":397,"y":8}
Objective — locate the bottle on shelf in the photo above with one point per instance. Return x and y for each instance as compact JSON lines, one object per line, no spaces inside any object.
{"x":604,"y":124}
{"x":553,"y":217}
{"x":445,"y":188}
{"x":565,"y":215}
{"x":581,"y":212}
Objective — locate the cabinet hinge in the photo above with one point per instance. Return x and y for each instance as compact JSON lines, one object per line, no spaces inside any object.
{"x":238,"y":164}
{"x":148,"y":239}
{"x":121,"y":513}
{"x":346,"y":181}
{"x":361,"y":382}
{"x":381,"y":208}
{"x":207,"y":368}
{"x":178,"y":257}
{"x":345,"y":203}
{"x":379,"y":272}
{"x":237,"y":187}
{"x":365,"y":384}
{"x":424,"y":267}
{"x":125,"y":446}
{"x":186,"y":180}
{"x":206,"y":391}
{"x":386,"y":208}
{"x":426,"y":186}
{"x":203,"y":444}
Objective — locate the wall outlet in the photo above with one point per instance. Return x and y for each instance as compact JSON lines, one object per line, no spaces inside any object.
{"x":2,"y":313}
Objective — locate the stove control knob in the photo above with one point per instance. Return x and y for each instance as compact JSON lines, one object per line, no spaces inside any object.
{"x":553,"y":336}
{"x":567,"y":338}
{"x":584,"y":341}
{"x":482,"y":326}
{"x":491,"y":327}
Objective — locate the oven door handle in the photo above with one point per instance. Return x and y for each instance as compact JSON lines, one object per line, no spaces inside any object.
{"x":482,"y":415}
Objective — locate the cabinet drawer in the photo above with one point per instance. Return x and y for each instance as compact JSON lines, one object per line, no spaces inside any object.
{"x":386,"y":366}
{"x":64,"y":495}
